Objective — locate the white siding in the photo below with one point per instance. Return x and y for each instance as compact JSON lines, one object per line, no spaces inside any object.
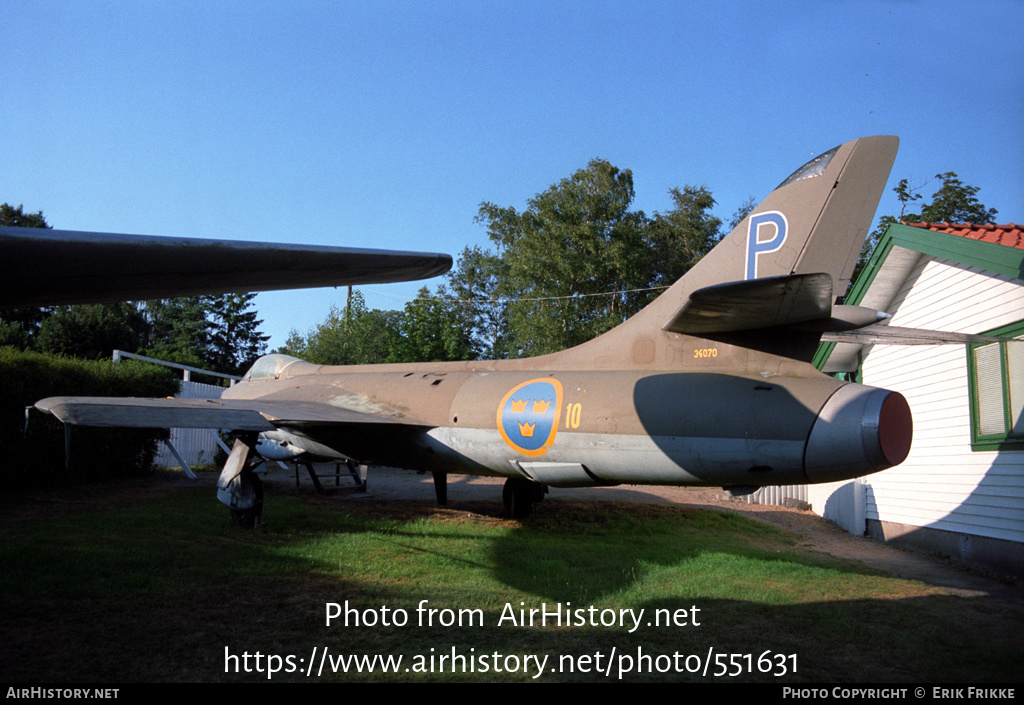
{"x":840,"y":502}
{"x":776,"y":494}
{"x":944,"y":484}
{"x":196,"y":445}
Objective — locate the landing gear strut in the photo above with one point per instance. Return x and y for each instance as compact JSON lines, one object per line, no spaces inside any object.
{"x":441,"y":487}
{"x":520,"y":495}
{"x":238,"y":488}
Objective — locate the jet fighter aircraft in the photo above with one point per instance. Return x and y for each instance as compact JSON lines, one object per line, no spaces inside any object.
{"x":710,"y":384}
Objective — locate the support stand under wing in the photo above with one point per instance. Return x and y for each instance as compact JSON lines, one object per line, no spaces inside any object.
{"x":356,"y":471}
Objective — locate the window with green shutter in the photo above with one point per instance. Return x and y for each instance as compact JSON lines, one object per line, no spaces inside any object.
{"x":996,"y":383}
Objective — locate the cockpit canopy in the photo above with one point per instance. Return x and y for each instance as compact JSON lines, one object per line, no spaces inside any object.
{"x":269,"y":367}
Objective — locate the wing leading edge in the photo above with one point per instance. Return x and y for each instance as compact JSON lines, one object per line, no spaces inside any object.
{"x":47,"y":267}
{"x":229,"y":414}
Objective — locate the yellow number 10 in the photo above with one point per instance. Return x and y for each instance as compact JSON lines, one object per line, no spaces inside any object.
{"x":572,"y":415}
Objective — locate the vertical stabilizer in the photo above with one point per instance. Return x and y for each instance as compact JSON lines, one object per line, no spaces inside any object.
{"x":814,"y":222}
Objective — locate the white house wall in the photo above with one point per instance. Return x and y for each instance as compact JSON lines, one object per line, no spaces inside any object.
{"x":944,"y":484}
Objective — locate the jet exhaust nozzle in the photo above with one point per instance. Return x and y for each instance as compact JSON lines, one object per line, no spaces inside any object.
{"x":860,"y":430}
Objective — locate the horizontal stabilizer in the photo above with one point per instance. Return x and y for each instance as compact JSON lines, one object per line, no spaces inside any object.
{"x":227,"y":414}
{"x":754,"y":304}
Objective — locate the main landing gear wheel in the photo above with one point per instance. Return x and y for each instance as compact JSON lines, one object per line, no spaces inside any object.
{"x":519,"y":496}
{"x":250,"y":518}
{"x":238,"y":488}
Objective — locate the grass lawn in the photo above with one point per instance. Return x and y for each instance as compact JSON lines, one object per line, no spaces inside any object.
{"x":148,"y":581}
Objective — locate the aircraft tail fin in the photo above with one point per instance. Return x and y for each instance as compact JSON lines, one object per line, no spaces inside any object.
{"x":785,"y":263}
{"x":813,"y":222}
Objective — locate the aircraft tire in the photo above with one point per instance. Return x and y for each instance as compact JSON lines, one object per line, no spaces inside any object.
{"x":250,"y":518}
{"x":519,"y":496}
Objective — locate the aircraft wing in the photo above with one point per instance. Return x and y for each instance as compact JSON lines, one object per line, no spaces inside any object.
{"x":43,"y":267}
{"x":895,"y":335}
{"x":231,"y":414}
{"x":845,"y":355}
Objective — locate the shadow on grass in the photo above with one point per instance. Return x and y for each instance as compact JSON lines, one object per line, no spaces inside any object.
{"x":585,"y":551}
{"x":166,"y":590}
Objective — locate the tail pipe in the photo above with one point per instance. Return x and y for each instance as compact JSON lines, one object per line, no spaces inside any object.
{"x":860,"y":430}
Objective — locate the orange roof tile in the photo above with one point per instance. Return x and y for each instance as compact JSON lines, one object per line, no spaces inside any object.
{"x":1010,"y":235}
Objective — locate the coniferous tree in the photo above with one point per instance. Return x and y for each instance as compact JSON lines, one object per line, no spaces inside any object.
{"x":178,"y":330}
{"x":234,"y":338}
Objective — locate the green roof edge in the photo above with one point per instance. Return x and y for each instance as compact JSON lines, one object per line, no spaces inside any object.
{"x":990,"y":256}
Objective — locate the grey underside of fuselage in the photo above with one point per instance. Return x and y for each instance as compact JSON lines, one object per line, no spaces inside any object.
{"x":582,"y":459}
{"x":635,"y":459}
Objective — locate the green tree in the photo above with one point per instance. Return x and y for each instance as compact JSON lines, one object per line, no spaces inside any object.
{"x":575,"y":263}
{"x":376,"y":337}
{"x":178,"y":330}
{"x":234,"y":338}
{"x":91,"y":331}
{"x":429,"y":329}
{"x":433,"y":331}
{"x":578,"y":261}
{"x":360,"y":336}
{"x":18,"y":218}
{"x":295,"y":345}
{"x":18,"y":326}
{"x":953,"y":202}
{"x":575,"y":239}
{"x":472,"y":286}
{"x":677,"y":240}
{"x":744,"y":209}
{"x":217,"y":332}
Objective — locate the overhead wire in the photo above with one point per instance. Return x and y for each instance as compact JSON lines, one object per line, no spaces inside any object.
{"x":512,"y":299}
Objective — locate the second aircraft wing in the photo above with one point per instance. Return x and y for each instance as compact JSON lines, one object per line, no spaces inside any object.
{"x":43,"y":267}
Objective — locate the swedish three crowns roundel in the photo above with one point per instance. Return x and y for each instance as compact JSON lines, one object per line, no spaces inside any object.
{"x":528,"y":416}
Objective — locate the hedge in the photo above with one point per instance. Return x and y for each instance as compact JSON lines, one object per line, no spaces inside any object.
{"x":32,"y":443}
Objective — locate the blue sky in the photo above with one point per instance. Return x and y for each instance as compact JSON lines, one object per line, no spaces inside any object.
{"x":386,"y":124}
